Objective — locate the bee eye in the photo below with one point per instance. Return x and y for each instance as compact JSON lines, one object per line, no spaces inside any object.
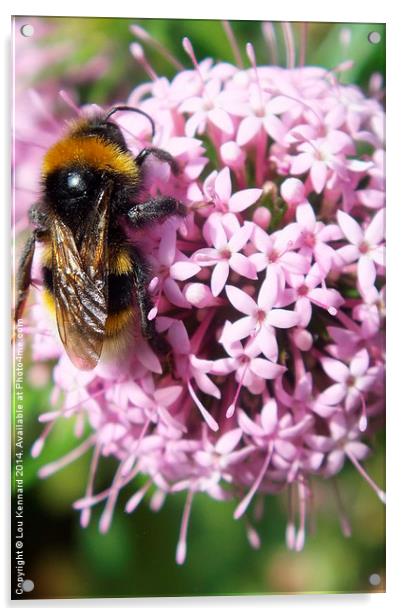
{"x":76,"y":183}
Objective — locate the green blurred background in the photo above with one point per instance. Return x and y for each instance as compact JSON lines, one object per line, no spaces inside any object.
{"x":137,"y":556}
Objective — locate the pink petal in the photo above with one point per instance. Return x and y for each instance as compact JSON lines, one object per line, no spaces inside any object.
{"x":332,"y":395}
{"x":338,"y":141}
{"x":178,"y":337}
{"x":241,"y":237}
{"x":191,"y":105}
{"x":217,"y":233}
{"x":301,"y":163}
{"x":266,"y":340}
{"x":374,"y":233}
{"x":243,"y":266}
{"x":335,"y":369}
{"x":358,"y":165}
{"x":350,"y":228}
{"x":242,"y":199}
{"x":304,"y":310}
{"x":226,"y":443}
{"x":352,"y":399}
{"x":304,"y":387}
{"x":167,"y":395}
{"x":174,"y":294}
{"x":261,"y":240}
{"x":378,"y":255}
{"x":266,"y":369}
{"x":305,"y":216}
{"x":282,"y":318}
{"x":285,"y":448}
{"x":242,"y":328}
{"x":269,"y":416}
{"x":335,"y":461}
{"x":360,"y":363}
{"x":196,"y":122}
{"x":206,"y":256}
{"x":279,"y":104}
{"x":219,"y":277}
{"x":224,"y":365}
{"x":248,"y":129}
{"x":167,"y":247}
{"x":182,"y":270}
{"x":359,"y":450}
{"x":295,"y":263}
{"x":348,"y":254}
{"x":371,"y":197}
{"x":147,"y":357}
{"x":221,"y":119}
{"x":206,"y":385}
{"x":366,"y":273}
{"x":318,"y":175}
{"x":329,"y":298}
{"x":223,"y":185}
{"x":275,"y":128}
{"x":248,"y":426}
{"x":241,"y":301}
{"x":260,"y":261}
{"x":269,"y":292}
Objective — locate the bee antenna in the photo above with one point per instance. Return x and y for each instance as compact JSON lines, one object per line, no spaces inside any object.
{"x":127,"y":108}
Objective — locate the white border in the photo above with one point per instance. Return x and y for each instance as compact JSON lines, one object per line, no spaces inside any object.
{"x":292,"y":10}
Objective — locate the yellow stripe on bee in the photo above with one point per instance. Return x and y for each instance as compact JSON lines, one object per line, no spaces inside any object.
{"x":120,"y":263}
{"x":49,"y":301}
{"x":92,"y":151}
{"x":115,"y":323}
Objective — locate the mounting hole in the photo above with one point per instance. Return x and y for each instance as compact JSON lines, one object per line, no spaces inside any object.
{"x":28,"y":585}
{"x":374,"y":38}
{"x":27,"y":30}
{"x":374,"y":579}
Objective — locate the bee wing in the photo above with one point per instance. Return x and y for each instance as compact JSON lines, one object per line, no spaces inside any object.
{"x":94,"y":246}
{"x":80,"y":286}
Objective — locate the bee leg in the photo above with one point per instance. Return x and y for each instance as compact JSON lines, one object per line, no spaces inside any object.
{"x":145,"y":304}
{"x":160,"y":155}
{"x":157,"y":209}
{"x":24,"y":271}
{"x":24,"y":276}
{"x":38,"y":217}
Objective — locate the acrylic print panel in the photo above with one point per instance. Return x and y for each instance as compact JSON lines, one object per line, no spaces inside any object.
{"x":200,"y":360}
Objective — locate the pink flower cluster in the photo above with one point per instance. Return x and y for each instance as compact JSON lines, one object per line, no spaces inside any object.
{"x":270,"y":293}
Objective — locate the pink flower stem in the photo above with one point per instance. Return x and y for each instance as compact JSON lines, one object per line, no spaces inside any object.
{"x":98,"y":498}
{"x":303,"y":43}
{"x":73,"y":455}
{"x":343,"y":518}
{"x":106,"y":517}
{"x":298,"y":362}
{"x":198,"y":336}
{"x":182,"y":543}
{"x":233,"y":43}
{"x":240,"y":175}
{"x":290,"y":528}
{"x":260,"y":158}
{"x":380,"y":493}
{"x":347,"y":322}
{"x":289,"y":44}
{"x":241,"y":508}
{"x":231,"y":409}
{"x":300,"y":537}
{"x":86,"y":513}
{"x":272,"y":44}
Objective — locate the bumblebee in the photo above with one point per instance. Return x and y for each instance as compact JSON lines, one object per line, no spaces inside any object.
{"x":95,"y":279}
